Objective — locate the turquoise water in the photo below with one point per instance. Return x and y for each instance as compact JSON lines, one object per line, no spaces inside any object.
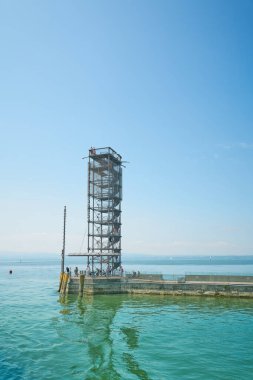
{"x":118,"y":337}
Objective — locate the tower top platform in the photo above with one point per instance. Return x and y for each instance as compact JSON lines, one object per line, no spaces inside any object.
{"x":104,"y":152}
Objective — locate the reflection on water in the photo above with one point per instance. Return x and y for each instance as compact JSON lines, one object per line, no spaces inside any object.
{"x":95,"y":319}
{"x":131,"y":335}
{"x":119,"y":337}
{"x":122,"y":336}
{"x":97,"y":324}
{"x":136,"y":337}
{"x":134,"y":368}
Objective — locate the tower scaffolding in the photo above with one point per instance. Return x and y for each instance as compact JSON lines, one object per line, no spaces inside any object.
{"x":104,"y":211}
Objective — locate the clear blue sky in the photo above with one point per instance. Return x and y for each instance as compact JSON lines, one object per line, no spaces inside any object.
{"x":168,"y":84}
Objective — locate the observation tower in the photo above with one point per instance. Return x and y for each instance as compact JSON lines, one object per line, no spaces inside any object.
{"x":104,"y":211}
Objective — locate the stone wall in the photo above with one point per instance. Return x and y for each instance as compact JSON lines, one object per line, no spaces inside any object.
{"x":104,"y":285}
{"x":218,"y":278}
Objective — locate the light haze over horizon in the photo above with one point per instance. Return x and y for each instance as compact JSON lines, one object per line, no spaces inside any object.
{"x":167,"y":84}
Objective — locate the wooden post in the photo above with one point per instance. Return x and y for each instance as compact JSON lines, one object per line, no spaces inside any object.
{"x":81,"y":283}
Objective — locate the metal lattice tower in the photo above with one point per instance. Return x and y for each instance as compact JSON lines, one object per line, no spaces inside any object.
{"x":104,"y":209}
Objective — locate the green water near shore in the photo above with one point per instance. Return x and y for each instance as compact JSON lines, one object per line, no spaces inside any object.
{"x":44,"y":336}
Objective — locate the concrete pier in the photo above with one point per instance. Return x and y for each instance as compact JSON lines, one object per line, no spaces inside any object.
{"x":224,"y":286}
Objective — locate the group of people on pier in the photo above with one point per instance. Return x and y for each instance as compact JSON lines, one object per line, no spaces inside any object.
{"x":105,"y":273}
{"x":97,"y":272}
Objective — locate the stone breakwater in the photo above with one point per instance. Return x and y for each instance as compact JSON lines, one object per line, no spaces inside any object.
{"x":224,"y":286}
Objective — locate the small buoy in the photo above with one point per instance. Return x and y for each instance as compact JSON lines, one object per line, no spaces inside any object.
{"x":10,"y":271}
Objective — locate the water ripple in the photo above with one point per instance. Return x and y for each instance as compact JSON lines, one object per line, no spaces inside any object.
{"x":44,"y":337}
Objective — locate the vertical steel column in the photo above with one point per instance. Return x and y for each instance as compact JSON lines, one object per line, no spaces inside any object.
{"x":63,"y":246}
